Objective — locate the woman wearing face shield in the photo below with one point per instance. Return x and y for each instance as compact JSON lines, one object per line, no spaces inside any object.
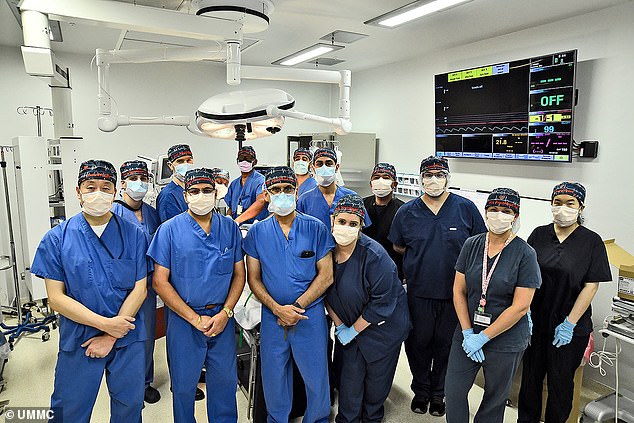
{"x":496,"y":277}
{"x":134,"y":183}
{"x":95,"y":269}
{"x":573,"y":261}
{"x":368,"y":306}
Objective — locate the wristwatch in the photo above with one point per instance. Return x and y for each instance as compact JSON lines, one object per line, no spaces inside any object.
{"x":228,"y":311}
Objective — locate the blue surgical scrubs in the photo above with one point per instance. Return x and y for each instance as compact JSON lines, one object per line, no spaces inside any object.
{"x":98,"y":272}
{"x":367,"y":285}
{"x":149,"y":225}
{"x":307,"y":185}
{"x":433,"y":243}
{"x":171,"y":201}
{"x":245,"y":195}
{"x":314,"y":203}
{"x":288,"y":267}
{"x":201,"y":269}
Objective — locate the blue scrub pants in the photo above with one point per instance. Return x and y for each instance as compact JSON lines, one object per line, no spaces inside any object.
{"x":428,"y":344}
{"x":78,"y":378}
{"x":498,"y":368}
{"x":306,"y":345}
{"x":188,"y":349}
{"x":364,"y":386}
{"x":148,"y":309}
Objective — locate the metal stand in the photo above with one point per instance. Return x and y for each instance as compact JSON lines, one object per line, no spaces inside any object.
{"x":27,"y":323}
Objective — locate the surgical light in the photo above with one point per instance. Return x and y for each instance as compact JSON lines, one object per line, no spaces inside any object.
{"x":243,"y":115}
{"x":412,"y":11}
{"x":306,"y":54}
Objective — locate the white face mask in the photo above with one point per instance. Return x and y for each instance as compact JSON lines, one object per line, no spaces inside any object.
{"x":325,"y":175}
{"x":498,"y":222}
{"x":300,"y":167}
{"x":564,"y":216}
{"x":344,"y":234}
{"x":221,"y":191}
{"x":434,"y":187}
{"x":201,"y":203}
{"x":96,"y":203}
{"x":381,"y":187}
{"x":136,"y":189}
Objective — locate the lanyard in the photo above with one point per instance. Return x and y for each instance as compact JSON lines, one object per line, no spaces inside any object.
{"x":486,"y":275}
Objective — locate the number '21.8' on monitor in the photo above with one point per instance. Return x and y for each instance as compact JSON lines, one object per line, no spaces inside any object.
{"x":516,"y":110}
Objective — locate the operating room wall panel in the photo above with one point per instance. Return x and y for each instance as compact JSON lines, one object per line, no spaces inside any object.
{"x":397,"y":102}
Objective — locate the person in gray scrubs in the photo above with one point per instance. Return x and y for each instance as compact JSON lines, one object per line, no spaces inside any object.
{"x":496,"y":277}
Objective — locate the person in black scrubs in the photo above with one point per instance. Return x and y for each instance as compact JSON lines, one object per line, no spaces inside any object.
{"x":382,"y":207}
{"x":496,"y":277}
{"x":573,"y":260}
{"x":368,"y":306}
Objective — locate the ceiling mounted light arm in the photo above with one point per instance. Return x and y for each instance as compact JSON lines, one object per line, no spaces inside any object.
{"x":342,"y":124}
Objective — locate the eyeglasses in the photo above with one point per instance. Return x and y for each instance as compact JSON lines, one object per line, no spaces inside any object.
{"x":439,"y":175}
{"x":288,"y":189}
{"x":196,"y":191}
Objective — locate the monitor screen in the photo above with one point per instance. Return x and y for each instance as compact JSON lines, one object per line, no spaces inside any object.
{"x":518,"y":110}
{"x":164,"y":172}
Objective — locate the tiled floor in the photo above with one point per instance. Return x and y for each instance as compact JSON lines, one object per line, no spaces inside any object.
{"x":29,"y":376}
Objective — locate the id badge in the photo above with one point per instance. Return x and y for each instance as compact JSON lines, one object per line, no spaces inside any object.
{"x":482,"y":319}
{"x":239,"y":211}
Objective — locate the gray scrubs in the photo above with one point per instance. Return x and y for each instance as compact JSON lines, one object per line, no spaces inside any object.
{"x":516,"y":268}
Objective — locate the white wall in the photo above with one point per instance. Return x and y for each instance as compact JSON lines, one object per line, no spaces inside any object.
{"x":397,"y":102}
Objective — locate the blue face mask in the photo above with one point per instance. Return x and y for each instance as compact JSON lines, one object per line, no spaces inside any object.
{"x":181,"y":170}
{"x":282,"y":204}
{"x":325,"y":175}
{"x":136,"y":189}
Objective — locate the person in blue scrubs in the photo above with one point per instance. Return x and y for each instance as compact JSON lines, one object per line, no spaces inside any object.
{"x":170,"y":201}
{"x":429,"y":231}
{"x":131,"y":207}
{"x":242,"y":197}
{"x":289,"y":265}
{"x":302,"y":158}
{"x":368,"y":306}
{"x":496,"y":277}
{"x":95,"y":269}
{"x":199,"y":273}
{"x":320,"y":201}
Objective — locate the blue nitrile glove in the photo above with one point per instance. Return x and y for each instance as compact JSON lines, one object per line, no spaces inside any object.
{"x":347,"y":334}
{"x":478,"y":356}
{"x":563,"y":333}
{"x":467,"y":333}
{"x":474,"y":343}
{"x":530,"y":323}
{"x":339,"y":328}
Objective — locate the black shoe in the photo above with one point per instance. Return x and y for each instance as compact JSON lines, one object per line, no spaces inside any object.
{"x":152,"y":395}
{"x":437,"y":407}
{"x":200,"y":395}
{"x":202,"y":378}
{"x":419,"y":405}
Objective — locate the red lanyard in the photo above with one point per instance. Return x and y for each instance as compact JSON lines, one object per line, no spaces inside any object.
{"x":486,"y":275}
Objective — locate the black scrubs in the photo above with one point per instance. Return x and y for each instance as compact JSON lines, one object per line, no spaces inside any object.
{"x":382,"y":217}
{"x":367,"y":285}
{"x":565,"y":267}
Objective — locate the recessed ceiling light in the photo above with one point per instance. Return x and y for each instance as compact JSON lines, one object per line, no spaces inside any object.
{"x":306,"y":54}
{"x":413,"y":11}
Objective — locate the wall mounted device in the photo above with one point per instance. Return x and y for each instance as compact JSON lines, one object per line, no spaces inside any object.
{"x":512,"y":110}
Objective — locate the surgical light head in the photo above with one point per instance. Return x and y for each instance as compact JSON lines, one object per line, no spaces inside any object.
{"x":243,"y":115}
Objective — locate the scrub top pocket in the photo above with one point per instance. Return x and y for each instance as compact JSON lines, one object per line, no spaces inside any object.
{"x":225,"y":263}
{"x":123,"y":273}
